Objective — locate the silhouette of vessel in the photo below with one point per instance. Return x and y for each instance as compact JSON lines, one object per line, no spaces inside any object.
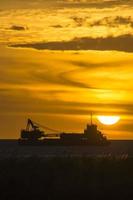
{"x":32,"y":135}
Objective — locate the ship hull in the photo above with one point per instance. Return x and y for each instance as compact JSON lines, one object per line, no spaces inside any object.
{"x":57,"y":142}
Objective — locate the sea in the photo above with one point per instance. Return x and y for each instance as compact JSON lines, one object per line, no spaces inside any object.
{"x":117,"y":148}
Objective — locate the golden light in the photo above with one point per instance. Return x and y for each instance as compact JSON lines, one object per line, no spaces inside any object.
{"x":108,"y":120}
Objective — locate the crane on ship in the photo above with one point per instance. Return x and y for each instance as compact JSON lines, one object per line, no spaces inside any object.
{"x":33,"y":132}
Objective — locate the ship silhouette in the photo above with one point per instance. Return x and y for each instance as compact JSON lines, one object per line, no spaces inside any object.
{"x":32,"y":135}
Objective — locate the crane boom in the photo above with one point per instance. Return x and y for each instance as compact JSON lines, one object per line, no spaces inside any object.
{"x":45,"y":127}
{"x":36,"y":125}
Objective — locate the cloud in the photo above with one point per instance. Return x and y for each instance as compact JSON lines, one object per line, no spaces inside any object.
{"x":119,"y":43}
{"x":79,"y":20}
{"x":22,"y":4}
{"x":92,"y":65}
{"x":63,"y":78}
{"x":18,"y":28}
{"x":57,"y":26}
{"x":67,"y":23}
{"x":123,"y":20}
{"x":97,"y":3}
{"x":113,"y":21}
{"x":63,"y":3}
{"x":13,"y":100}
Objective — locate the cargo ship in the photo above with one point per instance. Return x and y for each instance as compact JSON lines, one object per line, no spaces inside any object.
{"x":32,"y":135}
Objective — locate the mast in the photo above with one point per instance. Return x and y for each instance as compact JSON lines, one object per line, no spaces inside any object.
{"x":91,"y":118}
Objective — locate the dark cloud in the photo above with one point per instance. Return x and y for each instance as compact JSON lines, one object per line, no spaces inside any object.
{"x":92,"y":65}
{"x":22,"y":3}
{"x":18,"y":28}
{"x":64,"y":3}
{"x":113,"y":21}
{"x":119,"y":43}
{"x":123,"y":20}
{"x":60,"y":79}
{"x":97,"y":3}
{"x":57,"y":26}
{"x":79,"y":20}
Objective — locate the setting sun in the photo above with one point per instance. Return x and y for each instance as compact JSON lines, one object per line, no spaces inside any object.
{"x":108,"y":120}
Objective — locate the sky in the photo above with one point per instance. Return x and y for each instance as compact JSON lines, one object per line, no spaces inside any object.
{"x":60,"y":60}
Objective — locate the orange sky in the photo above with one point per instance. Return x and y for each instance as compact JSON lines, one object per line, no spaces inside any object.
{"x":60,"y":61}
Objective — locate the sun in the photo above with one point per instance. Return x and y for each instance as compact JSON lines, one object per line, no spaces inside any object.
{"x":108,"y":120}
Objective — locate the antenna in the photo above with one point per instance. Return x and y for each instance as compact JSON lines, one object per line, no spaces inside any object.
{"x":91,"y":118}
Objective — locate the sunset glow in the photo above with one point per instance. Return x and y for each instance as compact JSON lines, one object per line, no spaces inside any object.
{"x":61,"y":60}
